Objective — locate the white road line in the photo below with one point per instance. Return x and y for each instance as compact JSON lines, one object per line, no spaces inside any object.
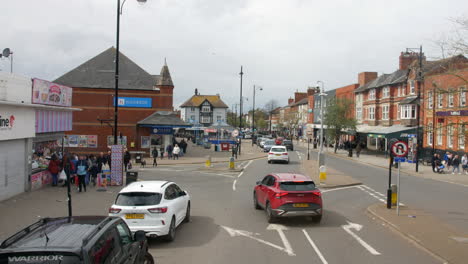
{"x":342,"y":188}
{"x":248,"y":164}
{"x":363,"y":243}
{"x":240,"y":174}
{"x":234,"y":185}
{"x":280,"y":229}
{"x":324,"y":261}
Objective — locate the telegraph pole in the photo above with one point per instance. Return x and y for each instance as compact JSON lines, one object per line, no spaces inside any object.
{"x":420,"y":83}
{"x":240,"y":111}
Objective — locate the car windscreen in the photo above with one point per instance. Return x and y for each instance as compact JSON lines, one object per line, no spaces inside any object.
{"x":287,"y":142}
{"x":278,"y":150}
{"x":138,"y":199}
{"x":38,"y":258}
{"x":270,"y":142}
{"x":297,"y":186}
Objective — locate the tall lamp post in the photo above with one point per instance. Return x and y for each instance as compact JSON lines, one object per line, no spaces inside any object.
{"x":240,"y":111}
{"x":322,"y":94}
{"x":116,"y":76}
{"x":253,"y":110}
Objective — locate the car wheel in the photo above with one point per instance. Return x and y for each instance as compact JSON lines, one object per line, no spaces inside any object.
{"x":255,"y":201}
{"x":172,"y":231}
{"x":269,"y":162}
{"x":148,"y":258}
{"x":270,"y":217}
{"x":187,"y":214}
{"x":287,"y":162}
{"x":316,"y":219}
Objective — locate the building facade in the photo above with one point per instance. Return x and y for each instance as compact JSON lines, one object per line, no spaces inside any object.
{"x":206,"y":110}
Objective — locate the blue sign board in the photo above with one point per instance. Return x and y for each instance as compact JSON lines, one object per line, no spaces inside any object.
{"x":162,"y":130}
{"x":138,"y":102}
{"x":398,"y":159}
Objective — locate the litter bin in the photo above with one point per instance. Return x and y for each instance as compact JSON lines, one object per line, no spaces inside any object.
{"x":138,"y":158}
{"x":132,"y":176}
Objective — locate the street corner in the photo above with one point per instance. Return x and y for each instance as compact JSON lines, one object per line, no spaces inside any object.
{"x":330,"y":178}
{"x":441,"y":241}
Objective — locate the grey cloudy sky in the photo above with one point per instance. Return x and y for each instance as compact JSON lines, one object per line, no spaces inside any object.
{"x":284,"y":45}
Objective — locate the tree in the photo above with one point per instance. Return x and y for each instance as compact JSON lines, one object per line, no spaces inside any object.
{"x":337,"y":118}
{"x":454,"y":42}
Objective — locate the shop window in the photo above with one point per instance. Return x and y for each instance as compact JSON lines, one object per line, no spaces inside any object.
{"x":412,"y":87}
{"x":385,"y":112}
{"x":462,"y":95}
{"x":450,"y":99}
{"x":386,"y":92}
{"x":450,"y":136}
{"x":440,"y":100}
{"x":461,"y":137}
{"x":439,"y":134}
{"x":430,"y":135}
{"x":430,"y":102}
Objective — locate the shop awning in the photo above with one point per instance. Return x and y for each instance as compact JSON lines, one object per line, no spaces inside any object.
{"x":163,"y":119}
{"x":395,"y":131}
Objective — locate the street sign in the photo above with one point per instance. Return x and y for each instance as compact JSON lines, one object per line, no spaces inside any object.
{"x":235,"y":133}
{"x":399,"y":159}
{"x":399,"y":149}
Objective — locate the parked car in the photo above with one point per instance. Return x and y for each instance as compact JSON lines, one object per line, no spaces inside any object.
{"x":288,"y":144}
{"x":157,"y":207}
{"x":268,"y":144}
{"x":288,"y":195}
{"x":278,"y":153}
{"x":279,"y":141}
{"x":262,"y":141}
{"x":248,"y":136}
{"x":78,"y":239}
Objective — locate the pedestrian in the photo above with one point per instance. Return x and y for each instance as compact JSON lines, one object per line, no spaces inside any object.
{"x":176,"y":151}
{"x":161,"y":152}
{"x":358,"y":149}
{"x":126,"y":159}
{"x":169,"y":149}
{"x":234,"y":150}
{"x":54,"y":168}
{"x":68,"y":168}
{"x":94,"y":169}
{"x":82,"y":168}
{"x":434,"y":162}
{"x":183,"y":146}
{"x":155,"y":157}
{"x":101,"y":160}
{"x":464,"y":162}
{"x":109,"y":159}
{"x":456,"y":164}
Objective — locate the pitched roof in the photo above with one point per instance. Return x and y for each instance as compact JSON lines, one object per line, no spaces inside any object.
{"x":163,"y":118}
{"x":98,"y":72}
{"x":434,"y":67}
{"x":197,"y":100}
{"x":395,"y":77}
{"x":301,"y":102}
{"x":165,"y":76}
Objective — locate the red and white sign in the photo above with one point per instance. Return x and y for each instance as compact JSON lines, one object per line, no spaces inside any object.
{"x":48,"y":93}
{"x":16,"y":122}
{"x":400,"y":149}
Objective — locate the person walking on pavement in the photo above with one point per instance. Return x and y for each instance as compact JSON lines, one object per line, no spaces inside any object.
{"x":464,"y":163}
{"x":161,"y":152}
{"x":54,"y":169}
{"x":456,"y":164}
{"x":68,"y":168}
{"x":94,"y":169}
{"x":101,"y":160}
{"x":169,"y":149}
{"x":82,"y":168}
{"x":176,"y":151}
{"x":434,"y":162}
{"x":183,"y":147}
{"x":358,"y":148}
{"x":109,"y":159}
{"x":126,"y":159}
{"x":154,"y":153}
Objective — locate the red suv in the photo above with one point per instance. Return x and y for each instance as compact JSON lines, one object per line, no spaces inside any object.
{"x":287,"y":195}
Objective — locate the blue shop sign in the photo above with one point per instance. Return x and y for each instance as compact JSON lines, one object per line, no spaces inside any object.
{"x":162,"y":130}
{"x":138,"y":102}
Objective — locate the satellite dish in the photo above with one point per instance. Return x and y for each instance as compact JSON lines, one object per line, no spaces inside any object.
{"x":6,"y":52}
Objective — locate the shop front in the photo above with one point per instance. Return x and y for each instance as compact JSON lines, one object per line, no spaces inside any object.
{"x":377,"y":138}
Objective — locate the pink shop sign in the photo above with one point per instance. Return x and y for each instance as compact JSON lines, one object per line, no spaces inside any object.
{"x":48,"y":93}
{"x":40,"y":179}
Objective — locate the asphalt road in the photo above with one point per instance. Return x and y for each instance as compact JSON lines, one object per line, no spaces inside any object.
{"x":225,"y":228}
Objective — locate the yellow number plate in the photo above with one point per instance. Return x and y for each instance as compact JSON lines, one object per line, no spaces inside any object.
{"x":300,"y":205}
{"x":135,"y":216}
{"x":278,"y":154}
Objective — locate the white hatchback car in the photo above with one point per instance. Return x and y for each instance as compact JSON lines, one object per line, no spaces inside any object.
{"x":278,"y":153}
{"x":156,"y":207}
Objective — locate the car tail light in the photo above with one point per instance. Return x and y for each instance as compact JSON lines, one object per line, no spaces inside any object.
{"x":114,"y":210}
{"x":158,"y":210}
{"x":317,"y":193}
{"x":271,"y":153}
{"x":280,"y":194}
{"x":285,"y":153}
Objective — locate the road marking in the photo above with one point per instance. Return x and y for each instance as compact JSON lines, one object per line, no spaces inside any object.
{"x":280,"y":229}
{"x":250,"y":161}
{"x":240,"y":174}
{"x":234,"y":232}
{"x":342,"y":188}
{"x":377,"y":195}
{"x":234,"y":185}
{"x":324,"y":261}
{"x":358,"y":227}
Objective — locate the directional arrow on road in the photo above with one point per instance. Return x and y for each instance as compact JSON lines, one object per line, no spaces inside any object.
{"x":363,"y":243}
{"x":280,"y":229}
{"x":287,"y":247}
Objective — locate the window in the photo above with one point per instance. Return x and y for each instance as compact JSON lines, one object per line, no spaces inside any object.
{"x":461,"y":137}
{"x":138,"y":199}
{"x":106,"y":248}
{"x":297,"y":186}
{"x":439,"y":134}
{"x":430,"y":102}
{"x":440,"y":100}
{"x":359,"y":113}
{"x":450,"y":136}
{"x":398,"y":113}
{"x":268,"y":181}
{"x":430,"y":135}
{"x":371,"y":113}
{"x":192,"y":109}
{"x":408,"y":111}
{"x":401,"y":91}
{"x":462,"y":98}
{"x":218,"y":118}
{"x":450,"y":99}
{"x":412,"y":88}
{"x":206,"y":108}
{"x":192,"y":117}
{"x":124,"y":234}
{"x":170,"y":193}
{"x":385,"y":110}
{"x":205,"y":119}
{"x":386,"y":92}
{"x":371,"y":95}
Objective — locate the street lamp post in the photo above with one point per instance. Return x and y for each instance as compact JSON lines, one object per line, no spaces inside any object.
{"x":253,"y":111}
{"x":322,"y":93}
{"x":116,"y":74}
{"x":240,"y":111}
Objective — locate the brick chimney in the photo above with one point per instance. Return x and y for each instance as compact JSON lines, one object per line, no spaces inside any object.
{"x":365,"y":77}
{"x":406,"y":58}
{"x":290,"y":101}
{"x":299,"y":96}
{"x":310,"y":92}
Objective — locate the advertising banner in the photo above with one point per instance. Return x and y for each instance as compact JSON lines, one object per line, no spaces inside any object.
{"x":92,"y":141}
{"x":73,"y":141}
{"x":117,"y":165}
{"x":137,"y":102}
{"x":82,"y":141}
{"x":16,"y":122}
{"x":121,"y":140}
{"x":48,"y":93}
{"x":162,"y":130}
{"x":145,"y":142}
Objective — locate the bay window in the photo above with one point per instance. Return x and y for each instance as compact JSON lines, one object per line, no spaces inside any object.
{"x":408,"y":111}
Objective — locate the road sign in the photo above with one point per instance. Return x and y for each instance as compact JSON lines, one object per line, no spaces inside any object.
{"x":399,"y":159}
{"x":235,"y":133}
{"x":399,"y":149}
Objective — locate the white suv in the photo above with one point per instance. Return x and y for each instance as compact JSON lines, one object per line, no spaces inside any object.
{"x":278,"y":153}
{"x":156,"y":207}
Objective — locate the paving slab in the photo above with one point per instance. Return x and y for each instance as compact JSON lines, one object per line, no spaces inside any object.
{"x":439,"y":239}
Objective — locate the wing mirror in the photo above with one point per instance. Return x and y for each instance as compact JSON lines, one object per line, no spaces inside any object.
{"x":259,"y":183}
{"x":140,"y":236}
{"x":183,"y":193}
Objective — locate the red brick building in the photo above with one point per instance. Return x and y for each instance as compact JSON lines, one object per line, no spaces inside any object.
{"x":140,"y":96}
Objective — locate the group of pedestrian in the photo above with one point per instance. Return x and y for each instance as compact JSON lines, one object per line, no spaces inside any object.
{"x":449,"y":162}
{"x":172,"y":151}
{"x":80,"y":169}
